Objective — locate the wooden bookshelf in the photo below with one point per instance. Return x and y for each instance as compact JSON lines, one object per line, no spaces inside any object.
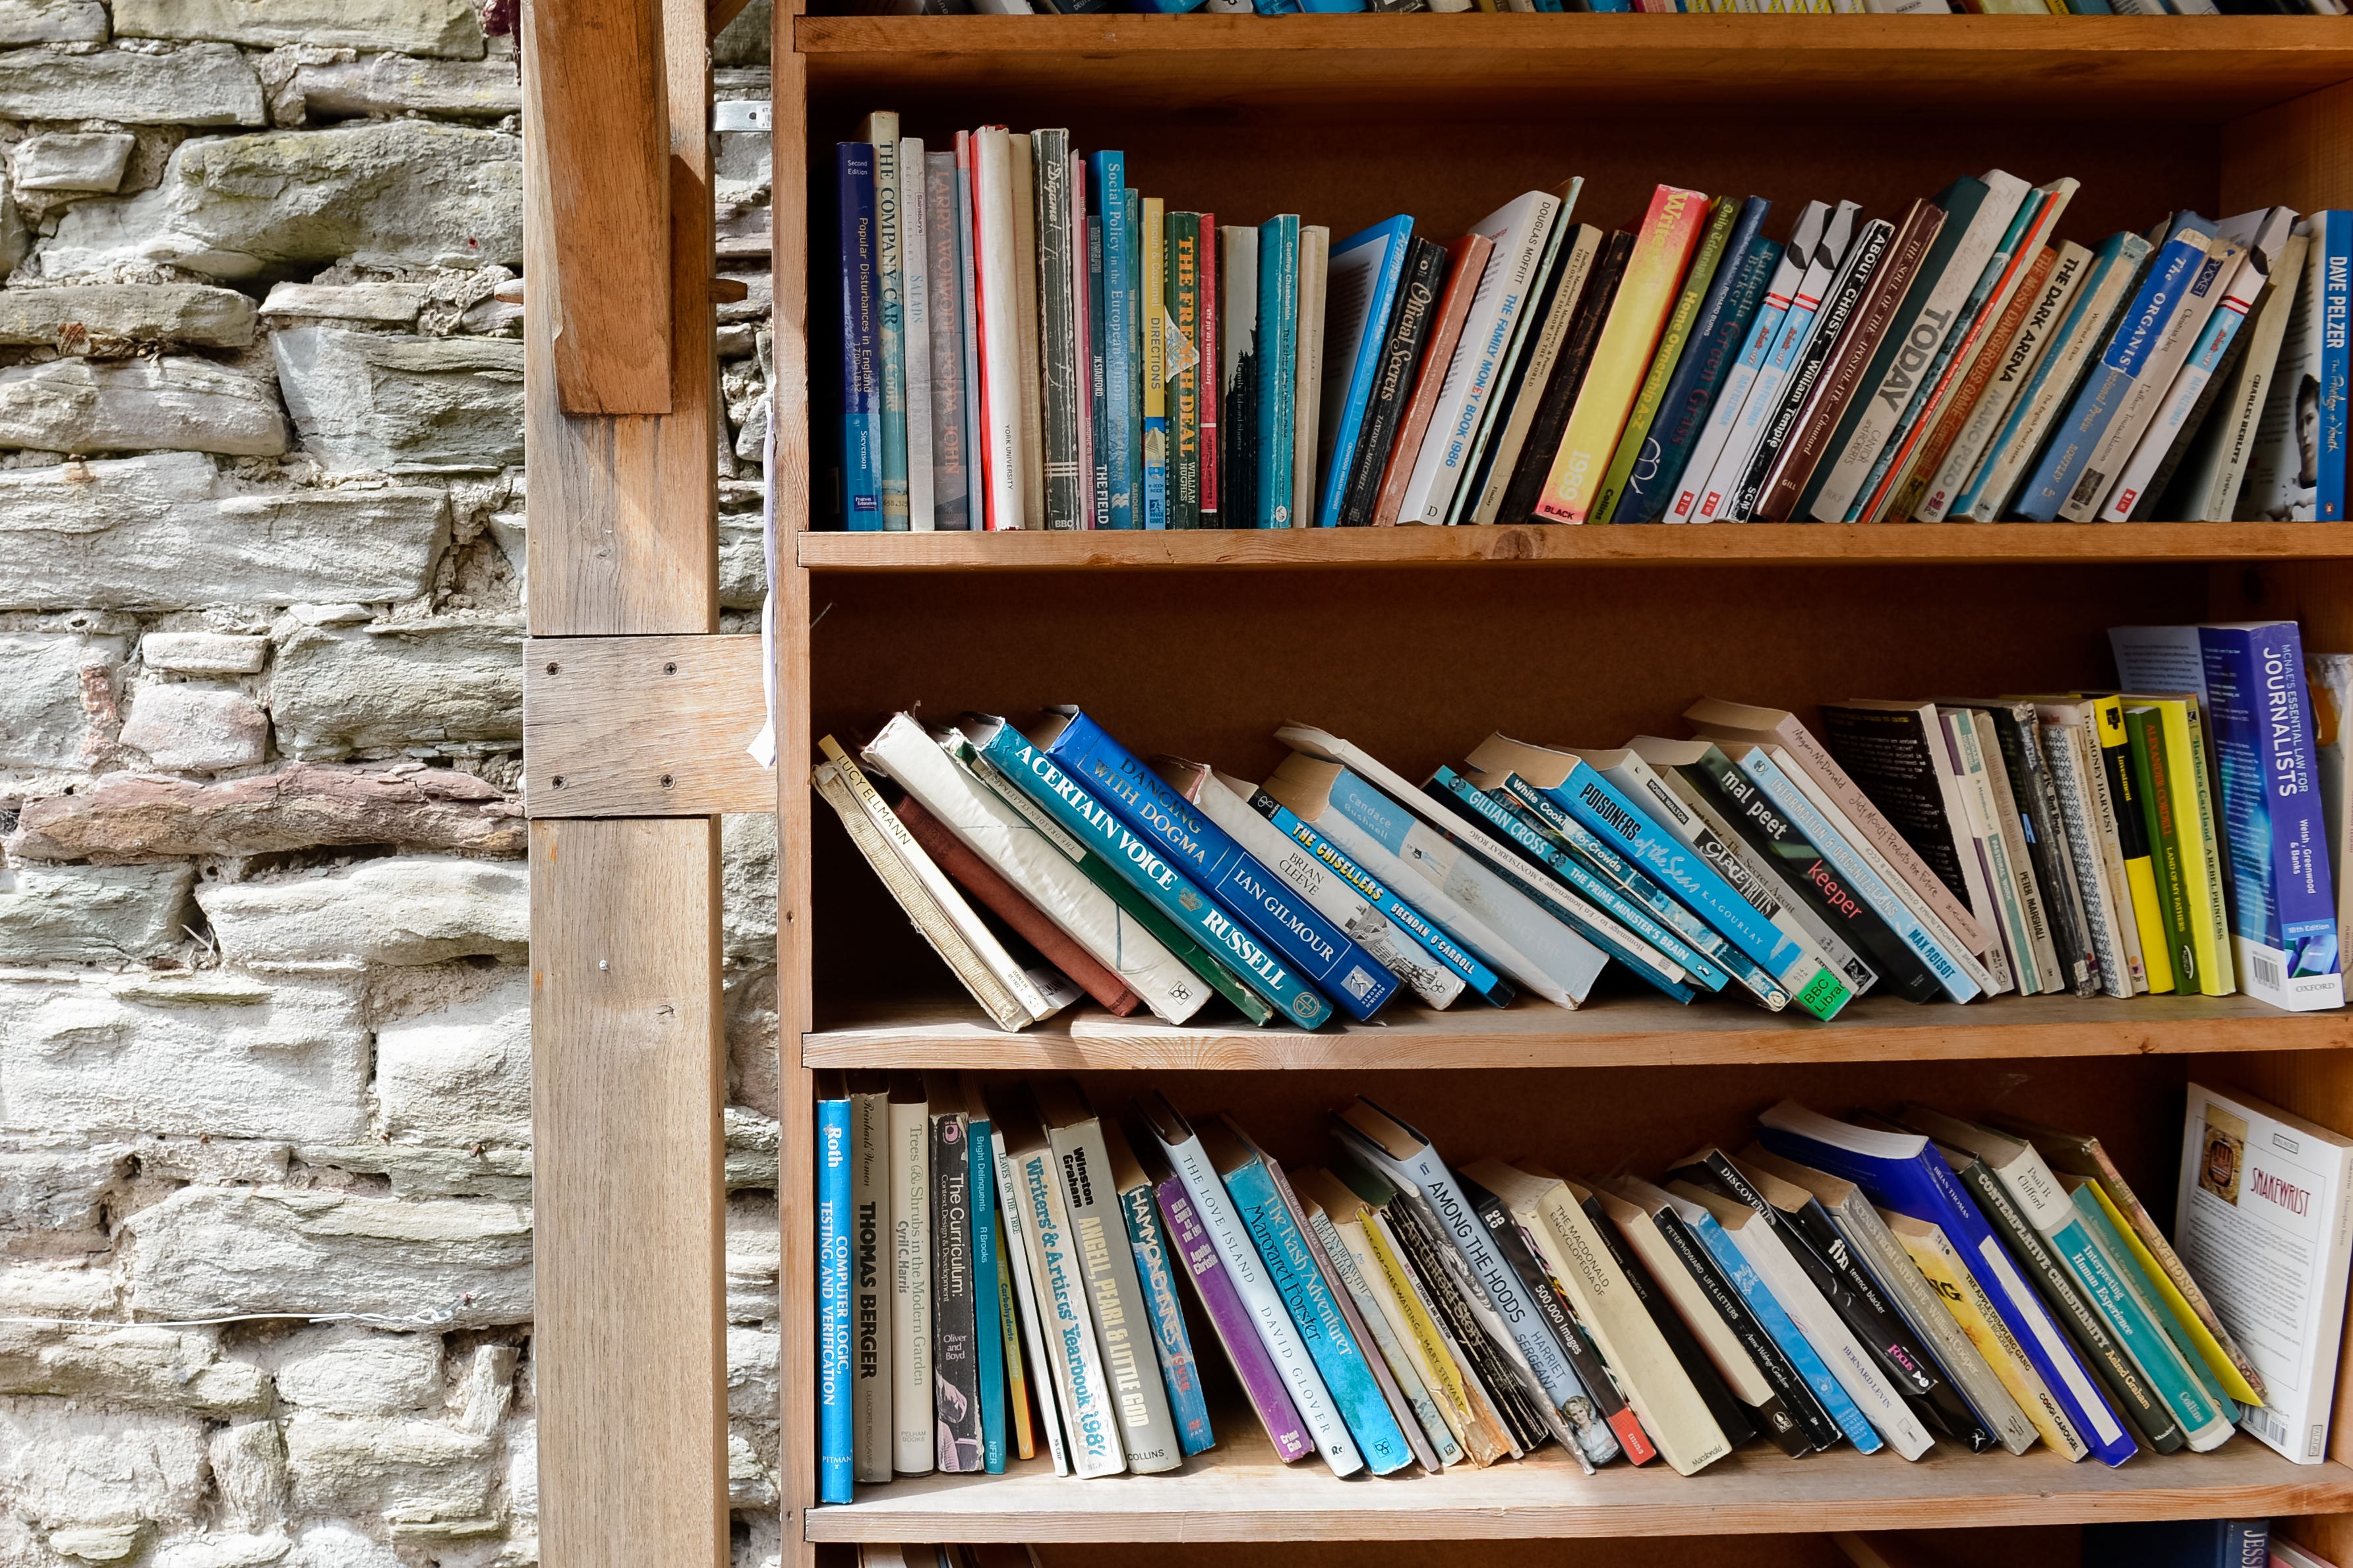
{"x":1415,"y":642}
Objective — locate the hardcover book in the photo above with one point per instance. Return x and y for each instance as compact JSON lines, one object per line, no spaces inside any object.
{"x":872,"y":1250}
{"x":1278,"y":368}
{"x":947,"y":309}
{"x":862,"y":331}
{"x":880,"y":130}
{"x":915,"y":1447}
{"x":915,"y":329}
{"x":1237,"y":394}
{"x":1061,"y":356}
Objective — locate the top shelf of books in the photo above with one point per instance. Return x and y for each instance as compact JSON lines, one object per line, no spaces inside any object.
{"x":2207,"y":69}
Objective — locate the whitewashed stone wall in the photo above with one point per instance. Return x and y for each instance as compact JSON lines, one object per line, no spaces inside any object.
{"x":263,"y":1002}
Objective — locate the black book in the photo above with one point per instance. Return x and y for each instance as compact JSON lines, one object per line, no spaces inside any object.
{"x":1062,"y":355}
{"x":1520,"y":1255}
{"x":1798,"y":1400}
{"x":1238,"y":401}
{"x":1567,"y":376}
{"x":2014,"y":725}
{"x":1408,"y":338}
{"x":1847,"y":286}
{"x":1887,"y":750}
{"x":955,"y":1352}
{"x":1732,"y":1417}
{"x":2158,"y":492}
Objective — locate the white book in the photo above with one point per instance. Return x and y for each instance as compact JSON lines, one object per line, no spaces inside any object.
{"x":2112,"y":848}
{"x":1020,"y":1258}
{"x":1252,"y":1283}
{"x":1957,"y":733}
{"x":2062,"y":749}
{"x":999,"y":402}
{"x":2004,"y":814}
{"x":2283,"y":473}
{"x":1307,"y":371}
{"x":1039,"y":860}
{"x":2019,"y":357}
{"x":1519,"y":229}
{"x":1580,"y":243}
{"x":1756,"y":342}
{"x":914,"y":1441}
{"x":1492,"y":413}
{"x":873,"y":1416}
{"x":1080,"y":1389}
{"x":2217,"y":464}
{"x":916,"y":311}
{"x":2263,"y":1219}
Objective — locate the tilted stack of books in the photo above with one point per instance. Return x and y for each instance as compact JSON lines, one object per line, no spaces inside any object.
{"x":1878,"y":1282}
{"x":1027,"y":343}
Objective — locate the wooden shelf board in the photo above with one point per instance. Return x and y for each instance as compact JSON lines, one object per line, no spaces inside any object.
{"x":1623,"y":1031}
{"x":1238,"y":1492}
{"x":1746,"y":544}
{"x":1481,"y":65}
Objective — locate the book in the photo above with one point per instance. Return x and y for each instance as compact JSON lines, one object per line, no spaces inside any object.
{"x":956,"y":1349}
{"x":2262,"y":1220}
{"x":872,"y":1252}
{"x":1238,"y":395}
{"x":1134,"y":1399}
{"x":1698,"y":282}
{"x":2179,"y":1543}
{"x":997,"y":262}
{"x":2039,"y":308}
{"x":2005,"y":334}
{"x":2208,"y":482}
{"x":1690,"y":486}
{"x":862,"y":331}
{"x":1152,"y":357}
{"x":913,"y":206}
{"x":1115,"y":453}
{"x":1189,"y":1242}
{"x":2018,"y":736}
{"x":1268,"y":1315}
{"x":1559,"y":393}
{"x":1670,"y":233}
{"x":835,"y":1402}
{"x":1405,"y":336}
{"x":1209,"y":345}
{"x":1517,"y":406}
{"x":2071,"y":753}
{"x":914,"y":1450}
{"x":2156,"y":782}
{"x":2283,"y":479}
{"x":1277,"y":360}
{"x":968,"y":290}
{"x":1467,"y":260}
{"x":2167,"y":735}
{"x":946,"y":309}
{"x":1172,"y":1342}
{"x":1307,"y":371}
{"x":1896,"y":754}
{"x":1508,"y":371}
{"x":1189,"y":366}
{"x":1973,"y":752}
{"x":880,"y":131}
{"x":1065,"y":1309}
{"x":1031,"y":1294}
{"x":1060,"y":350}
{"x":2187,"y":1386}
{"x":995,"y":1333}
{"x":2114,"y":737}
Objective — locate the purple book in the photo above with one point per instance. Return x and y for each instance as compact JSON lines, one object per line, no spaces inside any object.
{"x":1190,"y":1242}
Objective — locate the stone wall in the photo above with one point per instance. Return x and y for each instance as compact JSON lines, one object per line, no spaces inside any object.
{"x":263,"y":1007}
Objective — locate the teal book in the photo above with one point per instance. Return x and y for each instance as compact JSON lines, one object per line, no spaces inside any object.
{"x":1172,"y":1344}
{"x":1277,"y":366}
{"x":1290,"y":1265}
{"x":834,"y":1477}
{"x":1122,"y":419}
{"x":2099,"y":1259}
{"x":985,"y":1291}
{"x":1148,"y":513}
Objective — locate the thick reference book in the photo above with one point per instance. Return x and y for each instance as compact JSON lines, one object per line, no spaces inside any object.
{"x":836,"y":1437}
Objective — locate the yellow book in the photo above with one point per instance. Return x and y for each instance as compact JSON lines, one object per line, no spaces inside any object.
{"x":1152,"y":273}
{"x":2132,"y":835}
{"x":1671,"y":232}
{"x":2201,"y":868}
{"x":1963,"y":1297}
{"x":2197,"y":1335}
{"x":1477,"y":1428}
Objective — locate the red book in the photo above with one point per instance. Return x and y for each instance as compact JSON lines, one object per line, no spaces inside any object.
{"x":988,"y":887}
{"x":1212,"y":375}
{"x":1466,"y":263}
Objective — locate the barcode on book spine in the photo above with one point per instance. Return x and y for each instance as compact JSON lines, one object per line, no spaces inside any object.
{"x":2266,"y":970}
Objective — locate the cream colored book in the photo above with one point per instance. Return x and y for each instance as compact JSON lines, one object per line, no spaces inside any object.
{"x":1021,"y":162}
{"x":1725,"y":1352}
{"x":1966,"y":1300}
{"x":1307,"y":398}
{"x":1445,"y":1372}
{"x":914,"y":1447}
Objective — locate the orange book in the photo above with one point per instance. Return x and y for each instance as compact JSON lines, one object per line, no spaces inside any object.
{"x":1989,"y":356}
{"x":1466,"y":263}
{"x":1671,"y":232}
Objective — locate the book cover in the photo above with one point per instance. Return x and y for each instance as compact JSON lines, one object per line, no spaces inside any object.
{"x":996,"y":254}
{"x":1065,"y":1310}
{"x":880,"y":130}
{"x":1021,"y":160}
{"x":1893,"y":753}
{"x":989,"y":1290}
{"x":1209,"y":345}
{"x":955,"y":1349}
{"x":1559,"y":401}
{"x":1172,"y":1342}
{"x":2064,"y":753}
{"x":916,"y":1446}
{"x":2179,"y":1543}
{"x":1307,"y":371}
{"x":862,"y":328}
{"x":2155,"y":777}
{"x":1277,"y":365}
{"x":968,"y":286}
{"x":2282,"y":482}
{"x":836,"y":1438}
{"x":2208,"y":482}
{"x":1671,"y":232}
{"x":1634,"y":442}
{"x":1188,"y":365}
{"x":1406,"y":338}
{"x":1362,"y":281}
{"x":872,"y":1246}
{"x":1060,"y":357}
{"x":1494,"y":409}
{"x":1755,"y":345}
{"x":1107,"y":199}
{"x":2263,"y":1219}
{"x":1466,"y":267}
{"x":1550,"y":319}
{"x":1152,"y":357}
{"x":946,"y":309}
{"x":915,"y":325}
{"x":1239,"y":389}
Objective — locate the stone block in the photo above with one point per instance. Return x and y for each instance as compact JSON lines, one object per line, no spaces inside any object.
{"x":202,"y":653}
{"x":61,"y":1466}
{"x":195,"y":728}
{"x":754,"y":1251}
{"x":210,"y":1251}
{"x":447,"y":685}
{"x":401,"y":910}
{"x":401,"y":1468}
{"x":743,"y":561}
{"x":78,"y":317}
{"x":412,"y":26}
{"x":97,"y":1542}
{"x":203,"y":84}
{"x":396,"y":84}
{"x":72,"y":159}
{"x":425,"y":1171}
{"x":224,"y":1057}
{"x":752,"y":1148}
{"x":749,"y":1482}
{"x":249,"y":1462}
{"x":223,"y":1548}
{"x":397,"y":193}
{"x":52,"y":22}
{"x":341,"y":1546}
{"x":753,"y":1390}
{"x":141,"y":816}
{"x":92,"y":914}
{"x":54,"y":1186}
{"x":461,"y":1076}
{"x":170,"y":531}
{"x":83,"y":406}
{"x":368,"y":401}
{"x":394,"y":304}
{"x":46,"y":678}
{"x":747,"y":887}
{"x":129,"y":1364}
{"x":343,"y":1370}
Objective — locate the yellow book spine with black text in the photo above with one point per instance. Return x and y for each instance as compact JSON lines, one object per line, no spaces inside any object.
{"x":1949,"y":1277}
{"x":2185,"y":773}
{"x":2140,"y":871}
{"x":1655,"y":273}
{"x":1721,"y":214}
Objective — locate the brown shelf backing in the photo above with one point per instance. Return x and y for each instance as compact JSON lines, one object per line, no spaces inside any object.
{"x":1238,"y":1492}
{"x":1746,"y":544}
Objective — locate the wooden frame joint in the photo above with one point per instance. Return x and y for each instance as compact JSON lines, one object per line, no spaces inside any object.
{"x":643,"y":726}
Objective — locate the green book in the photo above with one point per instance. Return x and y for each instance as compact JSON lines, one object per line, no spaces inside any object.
{"x":1184,"y":302}
{"x":1722,"y":214}
{"x":2160,"y":812}
{"x":2111,"y":1278}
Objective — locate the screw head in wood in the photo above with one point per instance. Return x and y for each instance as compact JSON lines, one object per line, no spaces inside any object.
{"x":551,"y":667}
{"x":665,"y":781}
{"x":557,"y":781}
{"x":670,"y":668}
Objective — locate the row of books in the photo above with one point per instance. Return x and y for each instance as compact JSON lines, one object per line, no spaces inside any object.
{"x":2171,"y":839}
{"x":1811,"y":7}
{"x":1035,"y":344}
{"x":1878,"y":1282}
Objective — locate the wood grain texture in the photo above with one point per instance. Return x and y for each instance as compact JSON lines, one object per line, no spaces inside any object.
{"x":1815,"y":544}
{"x":624,"y":508}
{"x":1500,"y":64}
{"x":645,"y":726}
{"x":593,"y":74}
{"x":629,"y":1072}
{"x":2298,"y":154}
{"x":1238,"y":1492}
{"x":1620,"y":1031}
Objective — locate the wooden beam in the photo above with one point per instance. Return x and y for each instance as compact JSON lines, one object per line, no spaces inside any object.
{"x":724,"y":12}
{"x":629,"y":1073}
{"x":592,"y":73}
{"x":651,"y":726}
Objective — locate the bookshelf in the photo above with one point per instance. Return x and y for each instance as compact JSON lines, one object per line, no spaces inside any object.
{"x":1416,"y":642}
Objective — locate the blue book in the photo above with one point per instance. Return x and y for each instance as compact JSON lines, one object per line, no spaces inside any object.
{"x":835,"y":1441}
{"x":1401,"y":914}
{"x":2332,"y":232}
{"x":2163,"y":290}
{"x":988,"y":1332}
{"x":1312,"y":943}
{"x":1116,"y":449}
{"x":1611,"y":4}
{"x":2179,"y":1543}
{"x":1776,"y":1321}
{"x":1275,"y":7}
{"x":1307,"y":1295}
{"x":1172,"y":1344}
{"x":1097,"y":370}
{"x":1277,"y":366}
{"x":1150,"y":478}
{"x":1717,"y":335}
{"x":1366,"y":274}
{"x":861,"y":328}
{"x":1138,"y":858}
{"x":1904,"y":1171}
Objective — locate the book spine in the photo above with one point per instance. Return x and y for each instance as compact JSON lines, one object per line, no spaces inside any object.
{"x":2054,"y":870}
{"x":1447,"y":1370}
{"x":1446,"y":1284}
{"x":916,"y":1445}
{"x":1057,"y":323}
{"x":946,"y":309}
{"x":1238,"y":288}
{"x":1604,"y":1401}
{"x":1211,"y":351}
{"x":1145,"y":512}
{"x":861,"y":386}
{"x":1254,"y":1368}
{"x":1115,"y":1303}
{"x":2188,"y":397}
{"x":1152,"y":362}
{"x":2075,"y":813}
{"x":1379,"y":1310}
{"x":1079,"y":812}
{"x":2116,"y":764}
{"x":998,"y":254}
{"x":2197,"y":1331}
{"x":870,"y":1197}
{"x":1724,"y":415}
{"x":2217,"y":975}
{"x":1087,"y":1419}
{"x":1124,"y":467}
{"x":1307,"y":367}
{"x":1024,"y":1260}
{"x":836,"y":1436}
{"x":1099,"y":471}
{"x":1278,"y":368}
{"x":1084,"y":272}
{"x":1321,"y":952}
{"x":1359,"y":367}
{"x":1521,"y":404}
{"x":987,"y":1295}
{"x":1441,"y":463}
{"x":2096,"y":1256}
{"x":1021,"y":160}
{"x":1184,"y":274}
{"x":915,"y":294}
{"x":1609,"y":1263}
{"x":1720,"y":492}
{"x":2334,"y":232}
{"x":1732,"y":302}
{"x":1965,"y":1300}
{"x":1534,"y":468}
{"x":892,"y":339}
{"x":1635,"y":442}
{"x":1180,"y":1374}
{"x":969,"y":288}
{"x":1769,"y":477}
{"x":1495,"y":385}
{"x":955,"y":1362}
{"x":1726,"y":1277}
{"x":2154,"y":778}
{"x":1024,"y":1435}
{"x":1960,"y":412}
{"x":2019,"y":359}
